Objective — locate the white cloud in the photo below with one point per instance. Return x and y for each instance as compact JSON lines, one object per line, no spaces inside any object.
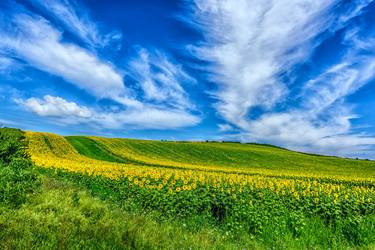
{"x":5,"y":63}
{"x":338,"y":82}
{"x":298,"y":130}
{"x":71,"y":113}
{"x":322,"y":122}
{"x":354,"y":10}
{"x":352,"y":39}
{"x":147,"y":117}
{"x":38,"y":43}
{"x":225,"y":127}
{"x":34,"y":40}
{"x":55,"y":107}
{"x":251,"y":43}
{"x":78,"y":21}
{"x":5,"y":123}
{"x":160,"y":79}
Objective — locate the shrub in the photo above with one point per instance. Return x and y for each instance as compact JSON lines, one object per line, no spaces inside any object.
{"x":18,"y":177}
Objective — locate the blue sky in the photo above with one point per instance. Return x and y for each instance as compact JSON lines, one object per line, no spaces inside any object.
{"x":298,"y":74}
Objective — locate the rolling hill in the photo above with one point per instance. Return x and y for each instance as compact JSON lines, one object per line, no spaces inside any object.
{"x":250,"y":158}
{"x":183,"y":194}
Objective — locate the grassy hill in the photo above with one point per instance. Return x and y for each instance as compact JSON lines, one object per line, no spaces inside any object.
{"x":111,"y":193}
{"x":229,"y":156}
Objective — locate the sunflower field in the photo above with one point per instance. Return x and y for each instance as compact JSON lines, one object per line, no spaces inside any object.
{"x":237,"y":200}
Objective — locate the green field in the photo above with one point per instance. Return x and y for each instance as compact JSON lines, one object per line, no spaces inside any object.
{"x":250,"y":157}
{"x":85,"y":192}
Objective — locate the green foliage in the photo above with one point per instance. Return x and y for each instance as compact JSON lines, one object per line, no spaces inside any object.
{"x":12,"y":145}
{"x":18,"y":177}
{"x":52,"y":220}
{"x":257,"y":214}
{"x":75,"y":199}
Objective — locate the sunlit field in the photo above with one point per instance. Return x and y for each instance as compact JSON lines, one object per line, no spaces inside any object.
{"x":187,"y":124}
{"x":256,"y":193}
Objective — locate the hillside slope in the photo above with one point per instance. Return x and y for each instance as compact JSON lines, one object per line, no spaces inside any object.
{"x":229,"y":156}
{"x":251,"y":194}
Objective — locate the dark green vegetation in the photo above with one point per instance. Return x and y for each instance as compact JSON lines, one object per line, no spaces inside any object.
{"x":90,"y":148}
{"x":18,"y":178}
{"x":77,"y":211}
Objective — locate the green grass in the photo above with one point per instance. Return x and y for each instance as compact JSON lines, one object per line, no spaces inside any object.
{"x":62,"y":216}
{"x":66,"y":215}
{"x":92,"y":149}
{"x":234,"y":155}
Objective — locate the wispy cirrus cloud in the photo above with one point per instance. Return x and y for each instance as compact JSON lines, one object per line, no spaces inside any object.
{"x":36,"y":41}
{"x":251,"y":44}
{"x":77,"y":20}
{"x":160,"y":79}
{"x":39,"y":44}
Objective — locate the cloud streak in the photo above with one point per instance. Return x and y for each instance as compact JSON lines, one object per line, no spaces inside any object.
{"x":77,"y":20}
{"x":68,"y":112}
{"x":251,"y":44}
{"x":39,"y":44}
{"x":160,"y":79}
